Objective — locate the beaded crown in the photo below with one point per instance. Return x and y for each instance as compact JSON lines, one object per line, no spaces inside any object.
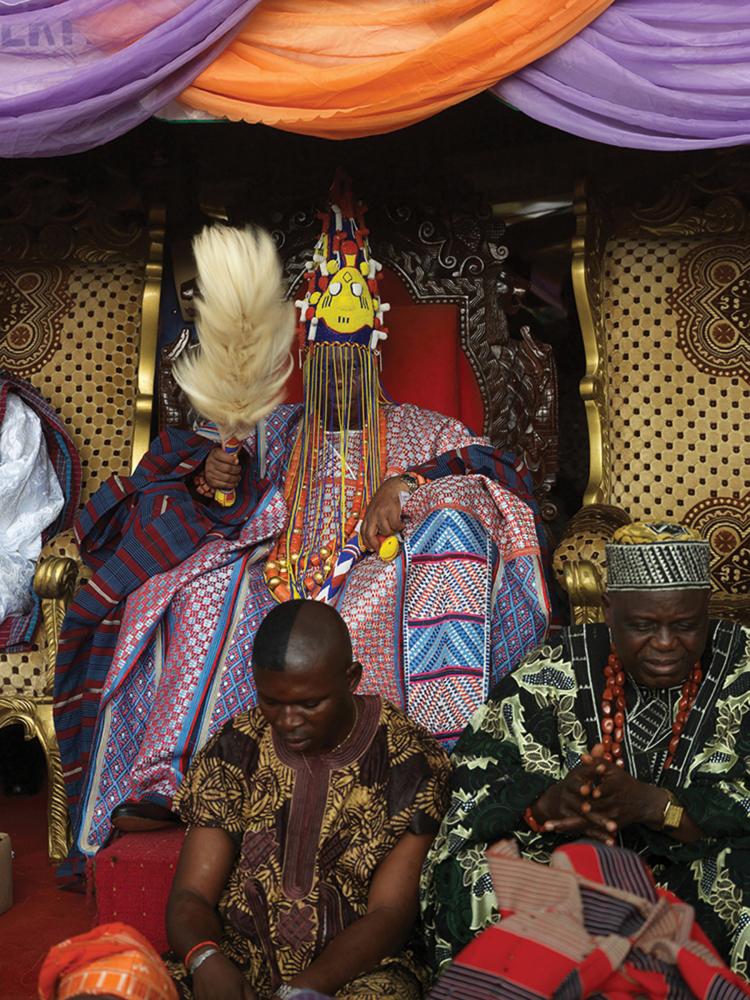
{"x":657,"y":556}
{"x":339,"y":456}
{"x":342,"y":303}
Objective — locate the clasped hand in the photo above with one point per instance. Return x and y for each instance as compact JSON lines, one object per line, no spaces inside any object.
{"x":597,"y":799}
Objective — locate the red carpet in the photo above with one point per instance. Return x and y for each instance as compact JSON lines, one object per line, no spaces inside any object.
{"x":42,"y":914}
{"x":133,"y":876}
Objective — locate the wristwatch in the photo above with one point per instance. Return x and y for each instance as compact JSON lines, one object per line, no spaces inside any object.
{"x":673,"y":813}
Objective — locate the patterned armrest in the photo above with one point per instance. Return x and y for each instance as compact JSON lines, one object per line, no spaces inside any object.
{"x":579,"y":560}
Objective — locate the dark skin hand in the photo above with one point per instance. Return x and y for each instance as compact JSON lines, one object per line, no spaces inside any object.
{"x":220,"y":472}
{"x":604,"y":798}
{"x":566,"y":806}
{"x":383,"y":515}
{"x":624,"y":799}
{"x":206,"y":861}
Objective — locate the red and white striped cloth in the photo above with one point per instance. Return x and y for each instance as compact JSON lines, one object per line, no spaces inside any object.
{"x":591,"y":924}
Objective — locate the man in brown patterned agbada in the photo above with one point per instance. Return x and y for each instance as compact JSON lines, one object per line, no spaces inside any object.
{"x":310,"y":817}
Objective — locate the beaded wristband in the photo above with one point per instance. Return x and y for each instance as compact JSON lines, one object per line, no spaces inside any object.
{"x":531,"y":821}
{"x":196,"y":948}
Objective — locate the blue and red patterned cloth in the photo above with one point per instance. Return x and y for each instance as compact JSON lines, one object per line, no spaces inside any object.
{"x":131,"y":529}
{"x":137,"y":527}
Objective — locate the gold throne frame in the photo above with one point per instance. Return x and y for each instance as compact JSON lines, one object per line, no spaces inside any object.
{"x":56,"y":576}
{"x":698,"y":205}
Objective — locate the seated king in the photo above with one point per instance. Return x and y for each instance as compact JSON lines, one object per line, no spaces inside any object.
{"x":635,"y":733}
{"x":420,"y":534}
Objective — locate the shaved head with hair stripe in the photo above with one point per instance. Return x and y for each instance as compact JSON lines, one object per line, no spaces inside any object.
{"x":305,"y":676}
{"x":298,"y":633}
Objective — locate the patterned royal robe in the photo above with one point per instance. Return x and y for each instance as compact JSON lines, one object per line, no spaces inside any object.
{"x":534,"y":729}
{"x":156,"y":651}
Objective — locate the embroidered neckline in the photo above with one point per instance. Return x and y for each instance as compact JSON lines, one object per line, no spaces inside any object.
{"x":310,"y":795}
{"x":347,"y":752}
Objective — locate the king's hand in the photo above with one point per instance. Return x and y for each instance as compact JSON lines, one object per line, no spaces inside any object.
{"x":383,"y":514}
{"x":220,"y":472}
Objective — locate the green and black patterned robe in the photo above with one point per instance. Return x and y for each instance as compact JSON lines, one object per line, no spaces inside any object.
{"x":534,"y":729}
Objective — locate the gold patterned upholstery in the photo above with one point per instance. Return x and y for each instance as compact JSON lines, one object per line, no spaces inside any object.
{"x":79,"y":280}
{"x":90,"y":378}
{"x":23,"y":674}
{"x":662,"y":294}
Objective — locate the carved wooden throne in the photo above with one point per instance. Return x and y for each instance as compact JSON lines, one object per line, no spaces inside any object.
{"x":663,"y":294}
{"x":441,"y":260}
{"x":80,"y":282}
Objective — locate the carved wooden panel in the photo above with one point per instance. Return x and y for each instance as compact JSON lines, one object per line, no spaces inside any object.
{"x":43,"y":218}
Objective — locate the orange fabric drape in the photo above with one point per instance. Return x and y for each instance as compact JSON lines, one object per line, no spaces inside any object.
{"x":347,"y":68}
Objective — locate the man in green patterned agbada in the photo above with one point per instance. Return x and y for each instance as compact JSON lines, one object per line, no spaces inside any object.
{"x":635,"y":733}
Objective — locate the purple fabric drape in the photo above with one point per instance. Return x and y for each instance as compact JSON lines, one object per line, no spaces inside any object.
{"x":652,"y":74}
{"x":77,"y":73}
{"x":655,"y":74}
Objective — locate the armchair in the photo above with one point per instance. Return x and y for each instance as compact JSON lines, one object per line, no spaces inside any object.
{"x":83,"y":279}
{"x":661,"y":292}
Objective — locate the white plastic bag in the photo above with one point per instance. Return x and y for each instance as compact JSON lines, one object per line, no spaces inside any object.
{"x":30,"y":500}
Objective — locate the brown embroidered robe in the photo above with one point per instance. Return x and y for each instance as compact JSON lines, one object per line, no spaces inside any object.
{"x":310,"y":833}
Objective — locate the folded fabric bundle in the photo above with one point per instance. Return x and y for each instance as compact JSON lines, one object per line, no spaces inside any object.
{"x":112,"y":959}
{"x":592,"y":922}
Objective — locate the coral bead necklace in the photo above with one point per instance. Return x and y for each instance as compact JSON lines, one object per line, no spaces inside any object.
{"x":291,"y":570}
{"x":613,"y":718}
{"x":613,"y":709}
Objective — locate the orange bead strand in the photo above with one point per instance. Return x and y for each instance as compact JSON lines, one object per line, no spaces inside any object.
{"x":316,"y":564}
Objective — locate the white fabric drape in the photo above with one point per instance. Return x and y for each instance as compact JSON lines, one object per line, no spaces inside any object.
{"x":30,"y":500}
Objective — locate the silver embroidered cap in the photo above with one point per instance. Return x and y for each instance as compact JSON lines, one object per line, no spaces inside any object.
{"x":660,"y":556}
